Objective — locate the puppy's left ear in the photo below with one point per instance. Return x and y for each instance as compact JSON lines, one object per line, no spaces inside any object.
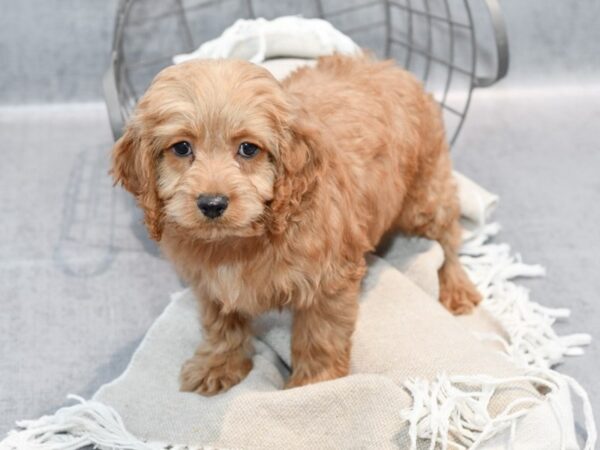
{"x":134,"y":167}
{"x":298,"y":166}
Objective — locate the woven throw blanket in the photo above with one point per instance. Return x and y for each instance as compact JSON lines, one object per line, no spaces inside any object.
{"x":420,"y":377}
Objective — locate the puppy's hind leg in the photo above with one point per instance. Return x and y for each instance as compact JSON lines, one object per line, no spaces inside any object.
{"x":433,"y":211}
{"x":457,"y":293}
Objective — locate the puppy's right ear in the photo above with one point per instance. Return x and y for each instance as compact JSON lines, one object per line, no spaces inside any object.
{"x":124,"y":170}
{"x":134,"y":167}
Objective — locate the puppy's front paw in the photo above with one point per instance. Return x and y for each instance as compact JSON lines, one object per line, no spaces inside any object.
{"x":210,"y":373}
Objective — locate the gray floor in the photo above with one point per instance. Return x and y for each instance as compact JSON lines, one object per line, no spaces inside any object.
{"x":73,"y":312}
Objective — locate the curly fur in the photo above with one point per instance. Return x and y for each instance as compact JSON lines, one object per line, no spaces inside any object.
{"x":351,"y":149}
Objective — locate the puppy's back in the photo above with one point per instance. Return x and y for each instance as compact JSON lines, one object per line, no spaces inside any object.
{"x":362,"y":102}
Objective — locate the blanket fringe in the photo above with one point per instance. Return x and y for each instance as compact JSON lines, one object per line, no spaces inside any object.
{"x":77,"y":426}
{"x":532,"y":343}
{"x":453,"y":411}
{"x":532,"y":340}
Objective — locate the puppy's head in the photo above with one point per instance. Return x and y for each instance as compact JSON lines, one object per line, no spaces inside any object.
{"x":215,"y":149}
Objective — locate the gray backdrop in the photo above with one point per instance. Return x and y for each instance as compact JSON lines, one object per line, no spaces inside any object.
{"x":57,"y":50}
{"x":72,"y":314}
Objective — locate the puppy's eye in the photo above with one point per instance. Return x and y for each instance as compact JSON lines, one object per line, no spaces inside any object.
{"x":248,"y":150}
{"x":182,"y":149}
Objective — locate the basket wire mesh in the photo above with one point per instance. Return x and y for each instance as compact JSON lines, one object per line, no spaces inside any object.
{"x":434,"y":39}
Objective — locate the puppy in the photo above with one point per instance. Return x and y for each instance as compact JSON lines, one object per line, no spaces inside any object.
{"x":268,"y":195}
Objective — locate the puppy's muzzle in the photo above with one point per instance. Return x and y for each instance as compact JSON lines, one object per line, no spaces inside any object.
{"x":212,"y":206}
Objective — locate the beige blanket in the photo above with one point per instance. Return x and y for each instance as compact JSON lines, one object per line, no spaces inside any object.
{"x":420,"y":377}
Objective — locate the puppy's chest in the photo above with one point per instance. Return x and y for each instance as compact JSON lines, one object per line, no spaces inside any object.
{"x":242,"y":287}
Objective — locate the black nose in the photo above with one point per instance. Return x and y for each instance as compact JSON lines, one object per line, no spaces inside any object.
{"x":212,"y":206}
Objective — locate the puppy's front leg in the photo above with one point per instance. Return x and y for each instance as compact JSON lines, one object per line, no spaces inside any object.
{"x":223,"y":359}
{"x":321,"y":340}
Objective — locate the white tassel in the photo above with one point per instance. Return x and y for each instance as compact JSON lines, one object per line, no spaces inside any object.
{"x":453,"y":411}
{"x":532,"y":340}
{"x":77,"y":426}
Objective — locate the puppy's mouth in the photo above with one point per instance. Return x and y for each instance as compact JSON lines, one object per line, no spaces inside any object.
{"x":219,"y":228}
{"x":214,"y":216}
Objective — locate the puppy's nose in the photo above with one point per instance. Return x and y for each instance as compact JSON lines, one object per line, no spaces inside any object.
{"x":212,"y":206}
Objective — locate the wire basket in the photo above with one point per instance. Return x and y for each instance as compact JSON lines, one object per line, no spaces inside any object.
{"x":434,"y":39}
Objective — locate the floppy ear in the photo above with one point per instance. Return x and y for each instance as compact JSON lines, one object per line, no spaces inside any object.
{"x":134,"y":166}
{"x":298,"y":166}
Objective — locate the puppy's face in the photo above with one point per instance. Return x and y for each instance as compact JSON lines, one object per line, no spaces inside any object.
{"x":202,"y":148}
